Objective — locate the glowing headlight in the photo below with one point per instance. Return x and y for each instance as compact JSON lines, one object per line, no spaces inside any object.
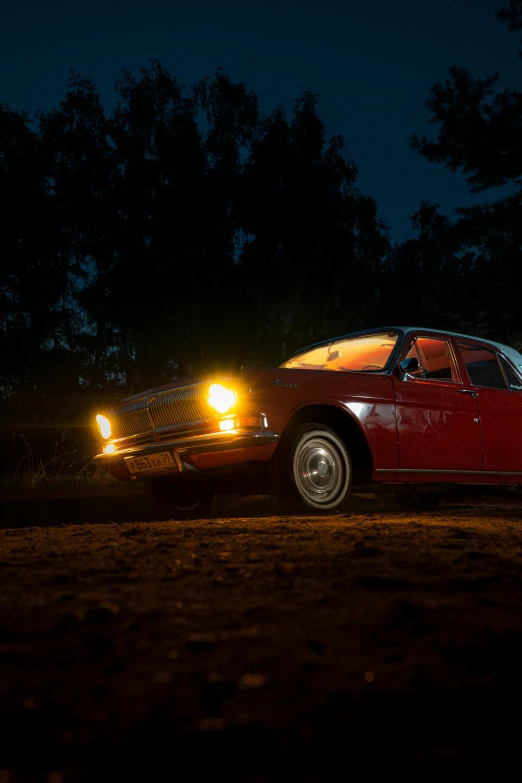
{"x":104,"y":425}
{"x":221,"y":398}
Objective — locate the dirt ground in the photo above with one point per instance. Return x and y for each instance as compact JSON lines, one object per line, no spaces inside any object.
{"x":365,"y":646}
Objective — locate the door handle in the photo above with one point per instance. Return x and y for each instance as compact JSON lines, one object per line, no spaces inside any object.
{"x":468,"y":391}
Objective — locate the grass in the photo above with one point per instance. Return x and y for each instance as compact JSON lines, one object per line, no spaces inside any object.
{"x":40,"y":480}
{"x":63,"y":471}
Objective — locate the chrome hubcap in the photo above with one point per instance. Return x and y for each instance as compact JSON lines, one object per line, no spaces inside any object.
{"x":319,"y":470}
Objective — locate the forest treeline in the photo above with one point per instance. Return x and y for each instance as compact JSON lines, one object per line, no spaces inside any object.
{"x":185,"y":233}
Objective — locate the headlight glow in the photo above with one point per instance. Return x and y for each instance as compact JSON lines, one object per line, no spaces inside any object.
{"x":104,"y":425}
{"x":221,"y":398}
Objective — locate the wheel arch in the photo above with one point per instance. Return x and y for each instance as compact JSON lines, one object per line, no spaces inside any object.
{"x":347,"y":427}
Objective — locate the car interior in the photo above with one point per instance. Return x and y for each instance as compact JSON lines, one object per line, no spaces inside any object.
{"x":359,"y":354}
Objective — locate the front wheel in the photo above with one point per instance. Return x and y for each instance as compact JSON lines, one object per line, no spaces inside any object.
{"x":181,"y":502}
{"x":318,"y":469}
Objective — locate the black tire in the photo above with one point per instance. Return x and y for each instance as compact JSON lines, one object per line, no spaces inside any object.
{"x":317,"y":470}
{"x":181,"y":501}
{"x":418,"y":501}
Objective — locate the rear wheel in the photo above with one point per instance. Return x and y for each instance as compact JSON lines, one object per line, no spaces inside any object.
{"x":190,"y":501}
{"x":418,"y":501}
{"x":318,"y":470}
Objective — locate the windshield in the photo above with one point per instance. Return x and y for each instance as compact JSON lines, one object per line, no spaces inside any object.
{"x":349,"y":354}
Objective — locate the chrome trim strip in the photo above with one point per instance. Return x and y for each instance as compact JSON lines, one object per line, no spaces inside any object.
{"x":151,"y":436}
{"x":193,"y":423}
{"x":197,"y":444}
{"x":467,"y":472}
{"x":149,"y":414}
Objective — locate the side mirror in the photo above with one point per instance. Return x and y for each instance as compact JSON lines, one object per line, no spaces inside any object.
{"x":408,"y":366}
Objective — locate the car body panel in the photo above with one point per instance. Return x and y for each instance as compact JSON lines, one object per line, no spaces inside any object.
{"x":368,"y":400}
{"x":438,"y":424}
{"x":501,"y":428}
{"x":438,"y":428}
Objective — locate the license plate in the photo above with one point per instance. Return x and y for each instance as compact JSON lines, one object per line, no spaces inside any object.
{"x":150,"y":463}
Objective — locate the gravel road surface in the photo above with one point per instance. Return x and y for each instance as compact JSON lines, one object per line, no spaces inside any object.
{"x":364,"y":646}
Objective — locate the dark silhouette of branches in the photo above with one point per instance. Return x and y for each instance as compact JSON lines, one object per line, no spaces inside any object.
{"x":479,"y":134}
{"x":479,"y":130}
{"x":512,"y":14}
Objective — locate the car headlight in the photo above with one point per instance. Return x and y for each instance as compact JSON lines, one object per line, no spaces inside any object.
{"x":221,"y":398}
{"x":104,"y":425}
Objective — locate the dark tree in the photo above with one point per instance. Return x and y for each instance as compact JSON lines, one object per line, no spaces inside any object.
{"x":183,"y":234}
{"x":479,"y":133}
{"x":28,"y":274}
{"x":78,"y":160}
{"x":424,"y":277}
{"x":158,"y":181}
{"x":479,"y":129}
{"x":311,"y":242}
{"x":512,"y":14}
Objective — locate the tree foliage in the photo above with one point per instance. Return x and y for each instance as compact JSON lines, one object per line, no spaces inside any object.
{"x":184,"y":233}
{"x":479,"y":135}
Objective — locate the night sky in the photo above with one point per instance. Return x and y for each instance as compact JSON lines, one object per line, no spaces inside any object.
{"x":371,"y":63}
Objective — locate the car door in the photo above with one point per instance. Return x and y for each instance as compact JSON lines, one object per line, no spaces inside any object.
{"x":499,"y":395}
{"x":437,"y":416}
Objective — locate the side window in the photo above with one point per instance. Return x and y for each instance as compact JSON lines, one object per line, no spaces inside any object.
{"x":513,"y":381}
{"x":436,"y":361}
{"x":483,"y":367}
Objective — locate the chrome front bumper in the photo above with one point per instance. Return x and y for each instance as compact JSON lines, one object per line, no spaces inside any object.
{"x":183,"y":448}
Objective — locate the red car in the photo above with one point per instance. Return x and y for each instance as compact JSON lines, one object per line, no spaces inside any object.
{"x":403,"y":409}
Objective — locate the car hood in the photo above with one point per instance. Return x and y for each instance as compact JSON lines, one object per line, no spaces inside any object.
{"x":257,"y":377}
{"x":293,"y":377}
{"x":180,"y":384}
{"x":252,"y":379}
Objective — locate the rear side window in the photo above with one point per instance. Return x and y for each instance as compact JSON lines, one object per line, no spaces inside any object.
{"x":483,"y":367}
{"x":513,"y":381}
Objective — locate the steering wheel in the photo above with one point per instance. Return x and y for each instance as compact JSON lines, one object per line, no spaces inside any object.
{"x":372,"y":366}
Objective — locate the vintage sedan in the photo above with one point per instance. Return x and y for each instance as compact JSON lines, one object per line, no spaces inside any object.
{"x":403,"y":409}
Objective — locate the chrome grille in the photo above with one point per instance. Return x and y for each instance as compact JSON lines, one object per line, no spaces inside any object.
{"x":180,"y":406}
{"x":130,"y":419}
{"x":170,"y":408}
